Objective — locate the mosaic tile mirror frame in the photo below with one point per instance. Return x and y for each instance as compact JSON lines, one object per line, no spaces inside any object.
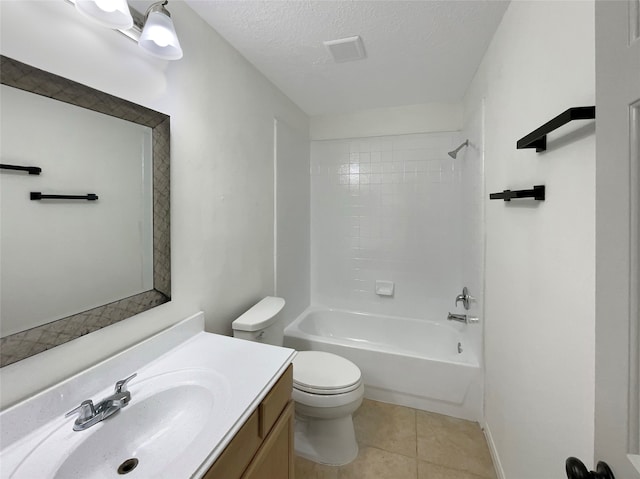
{"x":33,"y":341}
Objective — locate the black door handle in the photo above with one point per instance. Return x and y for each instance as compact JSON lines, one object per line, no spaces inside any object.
{"x":577,"y":470}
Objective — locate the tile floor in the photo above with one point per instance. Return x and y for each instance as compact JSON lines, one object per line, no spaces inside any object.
{"x":402,"y":443}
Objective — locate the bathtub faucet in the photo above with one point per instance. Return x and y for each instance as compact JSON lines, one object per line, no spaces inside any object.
{"x":462,"y":318}
{"x":465,"y":297}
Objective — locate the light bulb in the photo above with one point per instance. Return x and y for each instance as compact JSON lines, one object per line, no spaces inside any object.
{"x":108,"y":13}
{"x":160,"y":35}
{"x":106,"y":5}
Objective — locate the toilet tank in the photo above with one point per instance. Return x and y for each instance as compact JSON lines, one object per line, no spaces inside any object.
{"x":261,"y":322}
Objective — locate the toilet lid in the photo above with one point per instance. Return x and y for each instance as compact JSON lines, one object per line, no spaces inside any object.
{"x":324,"y":373}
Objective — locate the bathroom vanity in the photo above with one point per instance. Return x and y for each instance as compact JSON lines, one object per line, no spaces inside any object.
{"x":263,"y":447}
{"x":201,"y":406}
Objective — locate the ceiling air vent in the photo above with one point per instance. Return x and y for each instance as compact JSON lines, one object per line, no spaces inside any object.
{"x":346,"y":49}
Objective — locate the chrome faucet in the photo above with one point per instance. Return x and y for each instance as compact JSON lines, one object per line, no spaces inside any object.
{"x":463,"y":318}
{"x":90,"y":414}
{"x":465,"y":297}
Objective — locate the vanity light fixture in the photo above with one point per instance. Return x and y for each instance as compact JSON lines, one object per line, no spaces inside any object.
{"x":108,"y":13}
{"x":159,"y":35}
{"x":153,"y":31}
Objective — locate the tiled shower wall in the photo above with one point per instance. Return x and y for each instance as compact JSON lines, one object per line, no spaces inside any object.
{"x":386,"y":208}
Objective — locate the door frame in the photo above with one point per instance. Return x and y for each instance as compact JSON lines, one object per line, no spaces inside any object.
{"x":616,"y":346}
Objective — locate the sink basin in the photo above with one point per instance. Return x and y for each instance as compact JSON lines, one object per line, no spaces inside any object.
{"x":192,"y":393}
{"x":167,"y":414}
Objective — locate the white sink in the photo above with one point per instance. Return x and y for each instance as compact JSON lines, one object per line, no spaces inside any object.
{"x":166,"y":414}
{"x":185,"y":407}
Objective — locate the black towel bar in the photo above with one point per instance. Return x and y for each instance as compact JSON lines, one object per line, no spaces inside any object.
{"x":36,"y":195}
{"x":32,"y":170}
{"x":537,"y":193}
{"x":538,"y":138}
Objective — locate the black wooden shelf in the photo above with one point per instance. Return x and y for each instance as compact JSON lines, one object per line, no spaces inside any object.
{"x":537,"y":193}
{"x":538,"y":139}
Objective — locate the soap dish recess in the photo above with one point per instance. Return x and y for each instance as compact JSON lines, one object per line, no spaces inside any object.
{"x":384,"y":288}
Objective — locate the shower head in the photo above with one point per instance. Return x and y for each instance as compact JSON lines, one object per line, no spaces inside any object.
{"x":454,"y":153}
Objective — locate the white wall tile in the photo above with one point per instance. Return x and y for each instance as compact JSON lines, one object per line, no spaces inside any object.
{"x":403,"y":197}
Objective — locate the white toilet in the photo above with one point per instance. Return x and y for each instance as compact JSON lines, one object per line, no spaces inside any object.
{"x":327,"y":389}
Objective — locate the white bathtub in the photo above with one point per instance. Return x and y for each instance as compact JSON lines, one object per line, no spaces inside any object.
{"x":411,"y":362}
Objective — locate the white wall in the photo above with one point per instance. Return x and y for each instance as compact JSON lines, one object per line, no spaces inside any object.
{"x":222,"y":149}
{"x":386,"y":208}
{"x":401,"y":120}
{"x":293,"y":240}
{"x":540,"y":265}
{"x":63,"y":257}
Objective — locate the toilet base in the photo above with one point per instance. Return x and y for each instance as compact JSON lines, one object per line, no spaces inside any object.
{"x":326,"y":441}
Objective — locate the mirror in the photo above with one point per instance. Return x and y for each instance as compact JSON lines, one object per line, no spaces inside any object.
{"x":71,"y":266}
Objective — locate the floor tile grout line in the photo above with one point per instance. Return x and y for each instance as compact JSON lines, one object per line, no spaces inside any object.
{"x":339,"y":471}
{"x":415,"y":420}
{"x":469,"y":473}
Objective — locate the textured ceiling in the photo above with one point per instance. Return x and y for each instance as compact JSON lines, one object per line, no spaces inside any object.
{"x":417,"y":51}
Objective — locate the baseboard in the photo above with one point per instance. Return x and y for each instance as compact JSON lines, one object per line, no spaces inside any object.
{"x":494,"y":452}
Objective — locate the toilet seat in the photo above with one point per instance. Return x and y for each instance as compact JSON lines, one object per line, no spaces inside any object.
{"x":319,"y":372}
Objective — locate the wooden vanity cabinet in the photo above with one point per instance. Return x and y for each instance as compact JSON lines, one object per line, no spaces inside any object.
{"x":263,"y":447}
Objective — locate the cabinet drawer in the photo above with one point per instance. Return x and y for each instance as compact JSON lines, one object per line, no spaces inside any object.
{"x":275,"y":459}
{"x":277,"y":399}
{"x":234,"y":459}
